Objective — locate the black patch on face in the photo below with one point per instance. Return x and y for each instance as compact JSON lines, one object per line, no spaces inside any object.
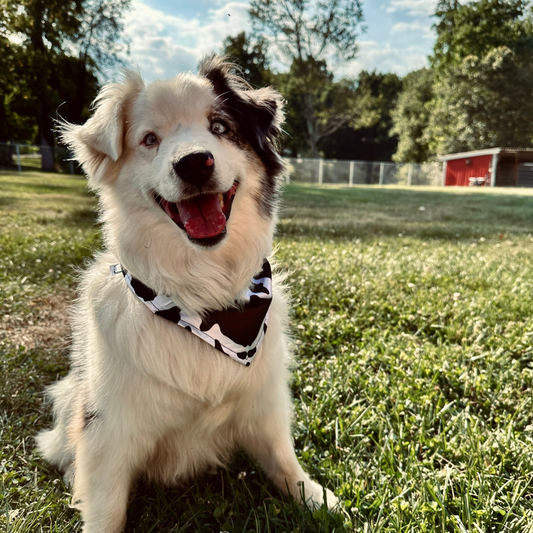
{"x":258,"y":116}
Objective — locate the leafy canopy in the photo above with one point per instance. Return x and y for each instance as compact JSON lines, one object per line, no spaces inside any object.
{"x":304,"y":29}
{"x":410,"y":117}
{"x":483,"y":68}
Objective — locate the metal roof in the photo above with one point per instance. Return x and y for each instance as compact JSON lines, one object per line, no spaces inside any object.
{"x":487,"y":151}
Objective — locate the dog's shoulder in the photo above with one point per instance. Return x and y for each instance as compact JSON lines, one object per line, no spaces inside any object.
{"x":100,"y":290}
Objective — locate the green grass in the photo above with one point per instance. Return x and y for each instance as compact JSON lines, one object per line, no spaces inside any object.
{"x":413,"y":390}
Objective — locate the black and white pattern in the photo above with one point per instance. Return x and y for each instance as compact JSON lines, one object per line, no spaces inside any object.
{"x":236,"y":331}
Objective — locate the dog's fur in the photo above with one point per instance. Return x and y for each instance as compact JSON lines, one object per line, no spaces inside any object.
{"x":143,"y":395}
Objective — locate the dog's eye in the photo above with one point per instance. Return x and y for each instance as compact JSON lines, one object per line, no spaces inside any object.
{"x":150,"y":139}
{"x":219,"y":127}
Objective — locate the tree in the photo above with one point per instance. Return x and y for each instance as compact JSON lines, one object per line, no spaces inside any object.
{"x":99,"y":41}
{"x":62,"y":41}
{"x":477,"y":27}
{"x":307,"y":33}
{"x":332,"y":104}
{"x":250,"y":56}
{"x":411,"y":117}
{"x":483,"y":89}
{"x":482,"y":103}
{"x":367,"y":135}
{"x":43,"y":26}
{"x":16,"y":120}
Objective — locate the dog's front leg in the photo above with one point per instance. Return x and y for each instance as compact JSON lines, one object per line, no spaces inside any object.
{"x":267,"y":438}
{"x":107,"y":458}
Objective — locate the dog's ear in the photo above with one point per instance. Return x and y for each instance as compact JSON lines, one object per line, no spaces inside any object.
{"x":98,"y":144}
{"x":259,"y":112}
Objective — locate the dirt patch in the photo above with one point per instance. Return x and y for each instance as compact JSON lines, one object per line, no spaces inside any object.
{"x":48,"y":324}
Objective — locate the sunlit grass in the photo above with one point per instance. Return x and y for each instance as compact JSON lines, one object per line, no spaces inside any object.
{"x":412,"y":331}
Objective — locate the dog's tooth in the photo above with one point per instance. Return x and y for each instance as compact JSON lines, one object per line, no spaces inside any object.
{"x":221,"y":198}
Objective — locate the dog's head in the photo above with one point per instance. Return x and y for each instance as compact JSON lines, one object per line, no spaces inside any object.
{"x":188,"y":172}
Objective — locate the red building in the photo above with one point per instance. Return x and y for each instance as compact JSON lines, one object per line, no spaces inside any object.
{"x":495,"y":167}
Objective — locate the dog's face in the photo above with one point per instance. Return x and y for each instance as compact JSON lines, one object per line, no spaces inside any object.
{"x":187,"y":171}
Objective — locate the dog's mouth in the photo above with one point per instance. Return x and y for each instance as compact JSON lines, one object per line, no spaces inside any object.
{"x":202,"y":217}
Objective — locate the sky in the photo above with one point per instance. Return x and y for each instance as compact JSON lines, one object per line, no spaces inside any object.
{"x":170,"y":36}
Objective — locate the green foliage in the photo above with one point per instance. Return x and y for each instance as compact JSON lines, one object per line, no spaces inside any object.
{"x":367,"y":133}
{"x":411,"y":117}
{"x":16,"y":107}
{"x":476,"y":28}
{"x":250,"y":56}
{"x":483,"y":102}
{"x":44,"y":28}
{"x":316,"y":104}
{"x":483,"y":76}
{"x":309,"y":29}
{"x":62,"y":46}
{"x":376,"y":96}
{"x":305,"y":32}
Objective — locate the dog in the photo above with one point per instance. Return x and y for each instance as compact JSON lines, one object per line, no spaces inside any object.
{"x":167,"y":375}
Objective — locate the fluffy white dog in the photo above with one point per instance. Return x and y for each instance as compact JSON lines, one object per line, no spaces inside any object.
{"x":187,"y":171}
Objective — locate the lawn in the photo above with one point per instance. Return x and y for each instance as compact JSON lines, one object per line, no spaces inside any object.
{"x":412,"y":324}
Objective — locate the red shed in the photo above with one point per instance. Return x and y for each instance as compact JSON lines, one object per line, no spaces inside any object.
{"x":497,"y":167}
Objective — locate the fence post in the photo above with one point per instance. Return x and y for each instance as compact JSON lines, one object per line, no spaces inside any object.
{"x":381,"y":173}
{"x":410,"y":175}
{"x":351,"y":173}
{"x":320,"y":171}
{"x":19,"y":163}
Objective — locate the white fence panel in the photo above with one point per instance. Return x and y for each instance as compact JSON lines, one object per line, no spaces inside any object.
{"x":321,"y":171}
{"x":326,"y":171}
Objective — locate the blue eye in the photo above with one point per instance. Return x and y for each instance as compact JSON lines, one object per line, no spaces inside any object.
{"x":219,"y":127}
{"x":150,"y":139}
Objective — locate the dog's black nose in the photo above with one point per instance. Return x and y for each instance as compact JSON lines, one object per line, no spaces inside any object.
{"x":195,"y":168}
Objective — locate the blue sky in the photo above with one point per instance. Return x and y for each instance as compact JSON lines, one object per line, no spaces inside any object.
{"x":168,"y":36}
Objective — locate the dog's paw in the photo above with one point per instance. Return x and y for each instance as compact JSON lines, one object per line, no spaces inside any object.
{"x":331,"y":500}
{"x":312,"y":494}
{"x":68,"y":476}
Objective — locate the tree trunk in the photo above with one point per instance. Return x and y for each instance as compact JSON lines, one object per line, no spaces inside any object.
{"x":47,"y":155}
{"x":46,"y":135}
{"x":41,"y":80}
{"x":4,"y":126}
{"x":312,"y":137}
{"x":79,"y":101}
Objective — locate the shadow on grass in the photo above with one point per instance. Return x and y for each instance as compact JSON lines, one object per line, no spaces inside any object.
{"x":335,"y":212}
{"x":8,"y":201}
{"x":223,"y":502}
{"x":44,"y":188}
{"x":82,"y":218}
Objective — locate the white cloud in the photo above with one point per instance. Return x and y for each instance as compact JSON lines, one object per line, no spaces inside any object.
{"x":163,"y":45}
{"x":384,"y":57}
{"x":413,"y":7}
{"x":423,"y":30}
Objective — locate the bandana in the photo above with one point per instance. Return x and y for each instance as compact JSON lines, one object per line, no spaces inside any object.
{"x":236,"y":331}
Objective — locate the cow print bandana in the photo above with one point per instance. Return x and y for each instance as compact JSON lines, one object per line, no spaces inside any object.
{"x":236,"y":331}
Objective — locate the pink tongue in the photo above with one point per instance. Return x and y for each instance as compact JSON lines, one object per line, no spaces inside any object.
{"x":202,"y":216}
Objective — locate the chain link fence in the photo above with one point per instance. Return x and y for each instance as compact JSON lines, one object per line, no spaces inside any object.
{"x":363,"y":172}
{"x":23,"y":157}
